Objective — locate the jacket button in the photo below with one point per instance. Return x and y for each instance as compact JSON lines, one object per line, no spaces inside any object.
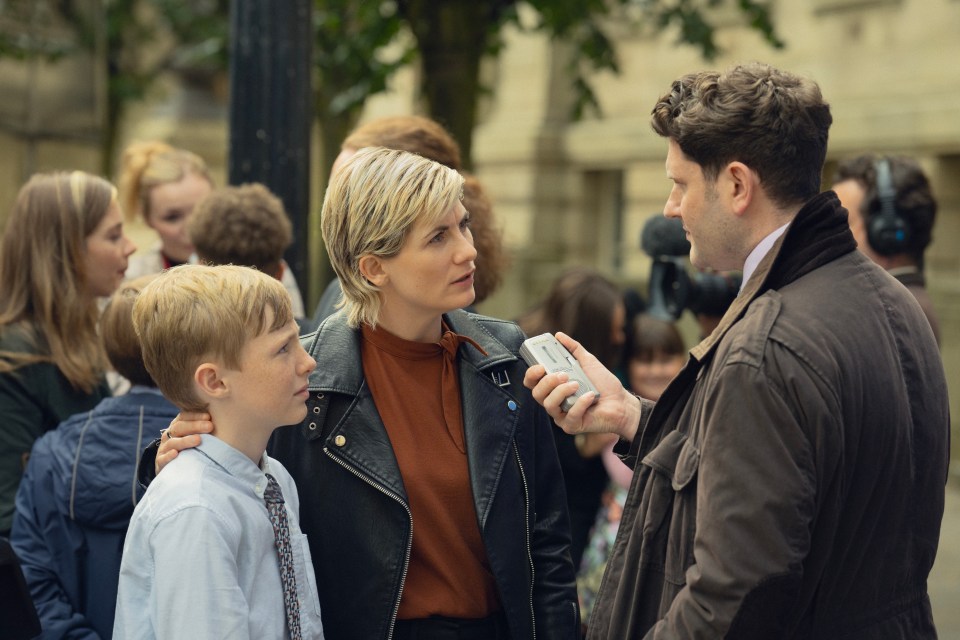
{"x":512,"y":405}
{"x":316,"y":409}
{"x":340,"y":441}
{"x":312,"y":426}
{"x":319,"y":396}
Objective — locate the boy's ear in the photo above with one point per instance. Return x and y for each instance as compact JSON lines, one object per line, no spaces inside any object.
{"x":209,"y":381}
{"x":371,"y":268}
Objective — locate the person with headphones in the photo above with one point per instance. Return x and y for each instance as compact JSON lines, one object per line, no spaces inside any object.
{"x":891,"y":212}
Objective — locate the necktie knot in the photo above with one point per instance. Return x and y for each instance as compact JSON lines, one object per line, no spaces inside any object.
{"x":272,"y":494}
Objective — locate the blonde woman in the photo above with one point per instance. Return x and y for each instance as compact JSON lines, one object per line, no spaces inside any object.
{"x":63,"y":248}
{"x":162,"y":184}
{"x":429,"y":139}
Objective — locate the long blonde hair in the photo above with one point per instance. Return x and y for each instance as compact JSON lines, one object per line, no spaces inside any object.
{"x":146,"y":165}
{"x":42,"y":278}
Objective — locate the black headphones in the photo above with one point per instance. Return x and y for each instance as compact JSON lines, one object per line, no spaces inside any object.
{"x":887,"y":231}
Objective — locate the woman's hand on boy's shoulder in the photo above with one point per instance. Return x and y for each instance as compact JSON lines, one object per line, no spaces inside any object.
{"x":183,"y":433}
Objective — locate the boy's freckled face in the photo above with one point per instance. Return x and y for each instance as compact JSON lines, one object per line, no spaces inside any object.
{"x":272,"y":381}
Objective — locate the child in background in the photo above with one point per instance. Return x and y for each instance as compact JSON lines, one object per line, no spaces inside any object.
{"x":80,"y":488}
{"x":244,"y":225}
{"x":163,"y":185}
{"x":656,"y":357}
{"x":214,"y":549}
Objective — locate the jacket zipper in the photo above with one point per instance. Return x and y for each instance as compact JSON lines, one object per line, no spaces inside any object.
{"x":406,"y":558}
{"x":526,"y":524}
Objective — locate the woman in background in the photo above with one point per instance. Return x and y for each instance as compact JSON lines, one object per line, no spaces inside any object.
{"x":584,"y":304}
{"x":63,"y":248}
{"x":163,"y":184}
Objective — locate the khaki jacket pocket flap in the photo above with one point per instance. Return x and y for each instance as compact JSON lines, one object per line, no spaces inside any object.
{"x":676,"y":457}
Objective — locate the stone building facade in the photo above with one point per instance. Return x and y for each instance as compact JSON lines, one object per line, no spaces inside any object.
{"x":579,"y":192}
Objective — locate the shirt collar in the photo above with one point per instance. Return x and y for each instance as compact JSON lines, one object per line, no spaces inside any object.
{"x":758,"y":253}
{"x":235,"y":463}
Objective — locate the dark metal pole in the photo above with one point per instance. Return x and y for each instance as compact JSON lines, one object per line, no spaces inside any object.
{"x":271,"y":108}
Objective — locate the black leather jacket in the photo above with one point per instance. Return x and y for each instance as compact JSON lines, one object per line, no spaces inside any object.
{"x":354,"y":508}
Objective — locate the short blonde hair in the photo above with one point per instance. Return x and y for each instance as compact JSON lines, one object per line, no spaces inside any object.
{"x":370,"y":205}
{"x":192,"y":313}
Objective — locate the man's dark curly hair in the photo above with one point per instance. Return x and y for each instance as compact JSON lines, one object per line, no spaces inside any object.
{"x":773,"y":121}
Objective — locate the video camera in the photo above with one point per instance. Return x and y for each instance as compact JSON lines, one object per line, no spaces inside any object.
{"x":672,"y":287}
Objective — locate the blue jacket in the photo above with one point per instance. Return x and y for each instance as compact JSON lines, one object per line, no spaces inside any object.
{"x":73,"y":507}
{"x":353,"y":505}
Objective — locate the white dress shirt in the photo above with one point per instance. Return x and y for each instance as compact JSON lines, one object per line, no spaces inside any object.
{"x":200,"y":561}
{"x":758,"y":253}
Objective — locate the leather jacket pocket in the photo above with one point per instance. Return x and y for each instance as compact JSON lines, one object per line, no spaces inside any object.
{"x":670,"y":505}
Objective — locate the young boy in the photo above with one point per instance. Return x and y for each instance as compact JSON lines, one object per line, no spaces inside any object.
{"x":211,"y":552}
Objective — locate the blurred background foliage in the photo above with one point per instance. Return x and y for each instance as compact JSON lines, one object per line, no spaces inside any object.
{"x":358,"y":45}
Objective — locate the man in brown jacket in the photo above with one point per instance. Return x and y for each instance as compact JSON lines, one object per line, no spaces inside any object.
{"x":790,"y":481}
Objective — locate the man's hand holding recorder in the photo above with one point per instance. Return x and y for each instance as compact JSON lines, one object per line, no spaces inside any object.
{"x":608,"y":409}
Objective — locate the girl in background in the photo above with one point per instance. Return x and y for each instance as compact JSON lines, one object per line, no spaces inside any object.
{"x":656,"y":356}
{"x":63,"y":248}
{"x":584,"y":304}
{"x":163,"y":184}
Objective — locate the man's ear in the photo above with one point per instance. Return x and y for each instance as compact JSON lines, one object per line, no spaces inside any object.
{"x":742,"y":184}
{"x":209,"y":381}
{"x":371,"y":268}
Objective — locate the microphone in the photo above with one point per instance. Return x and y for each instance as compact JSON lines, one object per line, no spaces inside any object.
{"x":663,"y":236}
